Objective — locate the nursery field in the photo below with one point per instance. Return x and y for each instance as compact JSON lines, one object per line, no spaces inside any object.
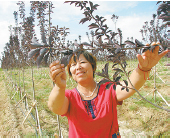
{"x":137,"y":118}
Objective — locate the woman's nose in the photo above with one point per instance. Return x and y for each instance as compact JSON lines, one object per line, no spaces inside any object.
{"x":78,"y":66}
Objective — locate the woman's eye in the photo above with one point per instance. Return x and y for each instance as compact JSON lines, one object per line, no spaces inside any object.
{"x":73,"y":64}
{"x":83,"y":62}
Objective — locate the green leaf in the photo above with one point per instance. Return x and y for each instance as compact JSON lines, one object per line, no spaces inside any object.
{"x":39,"y":59}
{"x":41,"y":56}
{"x":138,"y":43}
{"x":105,"y":69}
{"x":43,"y":51}
{"x":118,"y":50}
{"x":33,"y":52}
{"x":118,"y":78}
{"x":129,"y":42}
{"x":97,"y":50}
{"x":97,"y":17}
{"x":118,"y":70}
{"x":114,"y":87}
{"x":64,"y":61}
{"x":85,"y":43}
{"x":108,"y":85}
{"x":93,"y":25}
{"x":115,"y":75}
{"x":110,"y":56}
{"x":101,"y":17}
{"x":95,"y":6}
{"x":129,"y":72}
{"x":123,"y":88}
{"x":87,"y":8}
{"x":86,"y":13}
{"x":104,"y":21}
{"x":118,"y":83}
{"x":91,"y":5}
{"x":99,"y":36}
{"x":83,"y":20}
{"x":126,"y":82}
{"x":114,"y":65}
{"x":46,"y":57}
{"x":104,"y":81}
{"x":127,"y":89}
{"x":105,"y":25}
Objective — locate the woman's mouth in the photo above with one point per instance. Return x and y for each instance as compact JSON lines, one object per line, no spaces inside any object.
{"x":80,"y":73}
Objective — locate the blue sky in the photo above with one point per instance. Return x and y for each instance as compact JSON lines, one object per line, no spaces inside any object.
{"x":132,"y":15}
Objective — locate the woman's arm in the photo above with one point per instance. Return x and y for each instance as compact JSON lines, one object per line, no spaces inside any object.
{"x":58,"y":103}
{"x":137,"y":79}
{"x":146,"y":61}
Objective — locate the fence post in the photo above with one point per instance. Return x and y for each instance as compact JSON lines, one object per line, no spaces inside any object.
{"x":36,"y":115}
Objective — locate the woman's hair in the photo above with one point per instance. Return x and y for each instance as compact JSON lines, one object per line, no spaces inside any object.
{"x":90,"y":58}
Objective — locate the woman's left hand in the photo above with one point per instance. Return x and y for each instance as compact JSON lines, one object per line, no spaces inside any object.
{"x":149,"y":59}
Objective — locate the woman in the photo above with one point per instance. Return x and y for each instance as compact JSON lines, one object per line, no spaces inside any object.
{"x":91,"y":109}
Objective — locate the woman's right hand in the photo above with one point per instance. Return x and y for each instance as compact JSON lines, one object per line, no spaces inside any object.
{"x":58,"y":74}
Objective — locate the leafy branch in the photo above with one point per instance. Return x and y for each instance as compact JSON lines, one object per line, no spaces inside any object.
{"x":116,"y":51}
{"x":54,"y":43}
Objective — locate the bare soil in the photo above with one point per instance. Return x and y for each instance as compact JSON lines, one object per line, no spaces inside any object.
{"x":11,"y":117}
{"x":8,"y":121}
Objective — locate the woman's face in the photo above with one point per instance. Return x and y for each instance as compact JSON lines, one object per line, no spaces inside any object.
{"x":81,"y":70}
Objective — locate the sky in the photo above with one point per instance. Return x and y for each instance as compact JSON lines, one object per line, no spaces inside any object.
{"x":132,"y":15}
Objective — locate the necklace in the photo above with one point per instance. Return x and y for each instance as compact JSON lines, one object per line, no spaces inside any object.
{"x":89,"y":95}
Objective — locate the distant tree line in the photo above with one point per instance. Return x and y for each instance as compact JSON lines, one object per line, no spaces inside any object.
{"x":24,"y":48}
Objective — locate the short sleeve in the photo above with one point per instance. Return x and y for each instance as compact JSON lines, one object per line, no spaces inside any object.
{"x":114,"y":95}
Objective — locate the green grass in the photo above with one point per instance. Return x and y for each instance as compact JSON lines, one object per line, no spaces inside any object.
{"x":43,"y":85}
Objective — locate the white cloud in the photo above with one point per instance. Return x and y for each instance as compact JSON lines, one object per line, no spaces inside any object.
{"x":6,"y":6}
{"x":5,"y":34}
{"x":129,"y":25}
{"x":69,"y":16}
{"x":114,"y":6}
{"x":64,"y":11}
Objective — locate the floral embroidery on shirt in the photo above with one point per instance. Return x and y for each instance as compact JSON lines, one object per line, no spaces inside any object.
{"x":116,"y":135}
{"x":90,"y":107}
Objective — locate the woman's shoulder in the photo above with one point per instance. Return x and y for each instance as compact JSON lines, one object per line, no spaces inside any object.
{"x":105,"y":85}
{"x":70,"y":92}
{"x":106,"y":88}
{"x":109,"y":89}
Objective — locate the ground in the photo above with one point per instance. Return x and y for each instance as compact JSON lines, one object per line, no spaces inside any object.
{"x":135,"y":118}
{"x":8,"y":121}
{"x":11,"y":122}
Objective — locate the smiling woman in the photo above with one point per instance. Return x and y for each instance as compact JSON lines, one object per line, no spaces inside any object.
{"x":82,"y":68}
{"x":90,"y":105}
{"x":87,"y":105}
{"x":86,"y":57}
